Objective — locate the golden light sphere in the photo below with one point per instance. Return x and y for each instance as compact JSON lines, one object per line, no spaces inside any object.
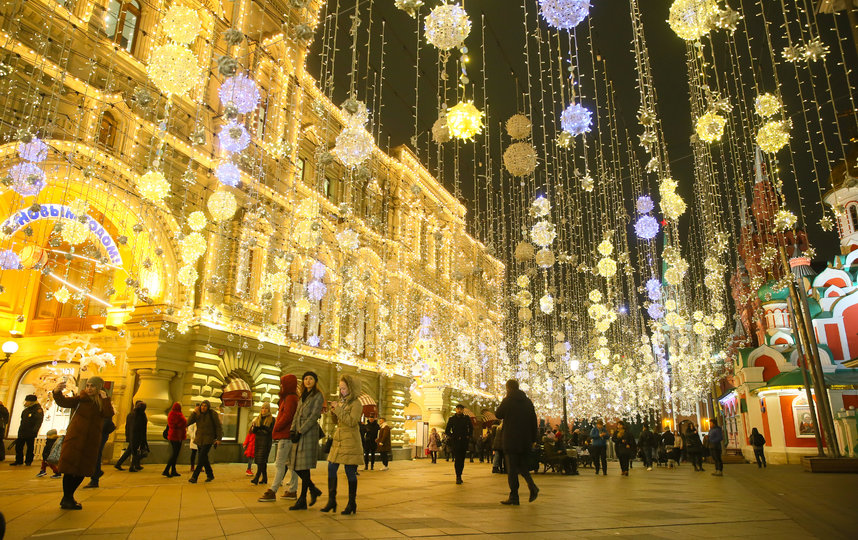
{"x":74,"y":232}
{"x":173,"y":68}
{"x":519,"y":126}
{"x":447,"y":26}
{"x":710,"y":127}
{"x":545,"y":258}
{"x":187,"y":276}
{"x":440,"y":131}
{"x":303,"y":306}
{"x":62,"y":295}
{"x":692,"y":19}
{"x":181,"y":23}
{"x":222,"y":205}
{"x":767,"y":104}
{"x":464,"y":120}
{"x":520,"y":159}
{"x":606,"y":267}
{"x":153,"y":186}
{"x":197,"y":221}
{"x":773,"y":136}
{"x":192,"y":247}
{"x":308,"y":208}
{"x":605,"y":247}
{"x":524,"y":251}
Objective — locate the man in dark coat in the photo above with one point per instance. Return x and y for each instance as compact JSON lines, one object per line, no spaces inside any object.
{"x":647,"y":446}
{"x":136,"y":424}
{"x":31,"y":421}
{"x":520,"y":433}
{"x":4,"y":421}
{"x":459,"y":432}
{"x":369,"y":445}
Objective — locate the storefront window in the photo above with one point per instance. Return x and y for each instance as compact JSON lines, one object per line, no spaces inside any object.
{"x":55,"y":417}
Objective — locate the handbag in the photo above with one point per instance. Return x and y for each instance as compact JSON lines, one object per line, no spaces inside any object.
{"x":143,"y":450}
{"x":56,"y":449}
{"x":166,"y":432}
{"x":295,"y":437}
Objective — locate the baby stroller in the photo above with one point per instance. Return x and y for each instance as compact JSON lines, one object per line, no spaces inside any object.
{"x":661,"y":456}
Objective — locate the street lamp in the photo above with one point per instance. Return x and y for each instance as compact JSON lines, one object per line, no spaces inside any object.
{"x":9,"y":348}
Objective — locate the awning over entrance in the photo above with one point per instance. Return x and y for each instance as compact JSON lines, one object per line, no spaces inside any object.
{"x":237,"y":393}
{"x":370,"y":407}
{"x":489,"y":416}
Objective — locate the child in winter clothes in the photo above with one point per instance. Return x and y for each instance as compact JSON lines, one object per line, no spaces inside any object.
{"x":249,"y":451}
{"x":50,"y":439}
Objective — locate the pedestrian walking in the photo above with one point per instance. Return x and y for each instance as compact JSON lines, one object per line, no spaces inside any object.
{"x":286,"y":408}
{"x":434,"y":445}
{"x":520,"y":434}
{"x":647,"y":444}
{"x":107,"y":428}
{"x":716,"y":439}
{"x":759,"y":443}
{"x":208,"y":434}
{"x":498,"y":465}
{"x":459,"y":430}
{"x":305,"y":435}
{"x":383,"y":443}
{"x":599,"y":447}
{"x":262,"y":427}
{"x":136,"y":425}
{"x":177,"y":431}
{"x":31,"y":421}
{"x":693,"y":447}
{"x":347,"y":447}
{"x":624,"y":445}
{"x":668,"y":440}
{"x":4,"y":421}
{"x":79,"y":451}
{"x":50,"y":439}
{"x":370,"y":436}
{"x":192,"y":433}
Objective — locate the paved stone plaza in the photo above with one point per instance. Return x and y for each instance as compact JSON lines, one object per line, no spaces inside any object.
{"x":418,"y":499}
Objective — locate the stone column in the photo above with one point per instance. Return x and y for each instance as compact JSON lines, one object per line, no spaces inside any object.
{"x":433,"y":400}
{"x":154,"y":390}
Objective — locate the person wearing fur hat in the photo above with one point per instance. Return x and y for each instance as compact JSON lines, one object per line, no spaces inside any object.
{"x":346,"y":449}
{"x":177,"y":430}
{"x":50,"y":438}
{"x":208,"y":434}
{"x":79,"y":452}
{"x":305,"y":435}
{"x":286,"y":408}
{"x":31,"y":421}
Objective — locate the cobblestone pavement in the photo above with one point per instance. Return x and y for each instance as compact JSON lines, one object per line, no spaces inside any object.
{"x":419,"y":499}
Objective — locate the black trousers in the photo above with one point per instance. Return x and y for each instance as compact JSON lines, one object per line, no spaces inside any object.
{"x":70,"y":484}
{"x":30,"y":443}
{"x":647,"y":456}
{"x":696,"y":458}
{"x":716,"y":455}
{"x":760,"y":456}
{"x":516,"y":464}
{"x":369,"y":454}
{"x":203,"y":462}
{"x":175,"y":447}
{"x":98,"y":472}
{"x":459,"y":453}
{"x":624,"y":460}
{"x":599,"y":455}
{"x":385,"y":457}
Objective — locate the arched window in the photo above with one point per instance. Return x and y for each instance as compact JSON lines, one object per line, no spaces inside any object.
{"x":107,"y":130}
{"x":122,"y":22}
{"x":853,"y":217}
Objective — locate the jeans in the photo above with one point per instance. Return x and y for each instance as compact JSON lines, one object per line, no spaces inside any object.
{"x":459,"y":452}
{"x":284,"y":450}
{"x":647,"y":452}
{"x":516,"y":464}
{"x":175,"y":447}
{"x":760,"y":457}
{"x":351,"y":472}
{"x":30,"y":443}
{"x":716,"y":455}
{"x":203,"y":462}
{"x":600,"y":456}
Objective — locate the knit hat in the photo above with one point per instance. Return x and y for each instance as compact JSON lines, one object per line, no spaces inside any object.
{"x":311,"y":374}
{"x":51,"y":434}
{"x":97,"y":382}
{"x":30,"y":397}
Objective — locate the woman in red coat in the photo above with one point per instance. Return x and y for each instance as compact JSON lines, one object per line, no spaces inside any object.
{"x":177,"y":431}
{"x":79,"y":452}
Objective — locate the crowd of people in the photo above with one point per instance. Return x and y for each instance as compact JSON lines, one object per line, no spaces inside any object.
{"x":297,"y":438}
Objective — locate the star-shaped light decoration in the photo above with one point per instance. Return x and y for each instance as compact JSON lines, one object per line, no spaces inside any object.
{"x":793,"y":53}
{"x":728,"y":19}
{"x":815,"y":50}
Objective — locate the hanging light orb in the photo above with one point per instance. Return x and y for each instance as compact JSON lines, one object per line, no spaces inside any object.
{"x":187,"y":276}
{"x":543,"y":233}
{"x":241,"y":91}
{"x":234,"y":137}
{"x":153,"y":186}
{"x":308,"y":208}
{"x":773,"y":136}
{"x":522,"y":281}
{"x":595,"y":296}
{"x":545,"y":258}
{"x":173,"y":68}
{"x":523,"y":298}
{"x":447,"y":26}
{"x":318,"y":271}
{"x":62,"y":295}
{"x":228,"y":174}
{"x":540,"y":207}
{"x":692,"y":19}
{"x":197,"y":221}
{"x":74,"y":232}
{"x":302,"y":306}
{"x":181,"y":23}
{"x":440,"y":131}
{"x":524,"y":251}
{"x":564,"y":14}
{"x":710,"y":127}
{"x":767,"y":105}
{"x":520,"y":159}
{"x":518,"y":126}
{"x":655,"y":311}
{"x":192,"y":247}
{"x":353,"y":146}
{"x":646,"y":227}
{"x":349,"y":239}
{"x":644,"y":204}
{"x":546,"y":304}
{"x":222,"y":205}
{"x":27,"y":179}
{"x":34,"y":150}
{"x":576,"y":119}
{"x":464,"y":120}
{"x":9,"y":260}
{"x":316,"y":290}
{"x":672,"y":205}
{"x":307,"y":234}
{"x":524,"y":314}
{"x":784,"y":220}
{"x":605,"y":248}
{"x":653,"y":289}
{"x":606,"y":267}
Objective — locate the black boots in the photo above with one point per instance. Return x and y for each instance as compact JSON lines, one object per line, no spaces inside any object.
{"x":314,"y":494}
{"x":351,"y":507}
{"x":332,"y":495}
{"x":300,"y":504}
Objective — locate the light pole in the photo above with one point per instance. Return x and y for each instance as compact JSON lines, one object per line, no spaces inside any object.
{"x":9,"y":348}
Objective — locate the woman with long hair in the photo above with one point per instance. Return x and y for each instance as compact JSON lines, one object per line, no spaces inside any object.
{"x":305,"y":436}
{"x":434,"y":445}
{"x":261,"y":427}
{"x":177,"y":431}
{"x":208,"y":434}
{"x":79,"y":451}
{"x":347,"y":447}
{"x":624,"y":443}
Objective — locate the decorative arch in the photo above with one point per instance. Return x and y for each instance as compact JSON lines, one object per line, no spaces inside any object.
{"x":771,"y":360}
{"x":832,"y":276}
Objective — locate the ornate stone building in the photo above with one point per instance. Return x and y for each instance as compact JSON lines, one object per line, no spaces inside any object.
{"x":367,"y":270}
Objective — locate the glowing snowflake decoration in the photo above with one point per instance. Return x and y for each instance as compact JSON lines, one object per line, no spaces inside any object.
{"x":564,"y":14}
{"x":710,"y":127}
{"x":447,"y":26}
{"x":241,"y":91}
{"x":784,"y":220}
{"x":576,"y":119}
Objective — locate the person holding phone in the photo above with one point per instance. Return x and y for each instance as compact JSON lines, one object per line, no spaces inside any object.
{"x":305,"y":438}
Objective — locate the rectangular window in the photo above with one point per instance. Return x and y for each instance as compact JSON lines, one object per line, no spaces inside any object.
{"x":299,"y":170}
